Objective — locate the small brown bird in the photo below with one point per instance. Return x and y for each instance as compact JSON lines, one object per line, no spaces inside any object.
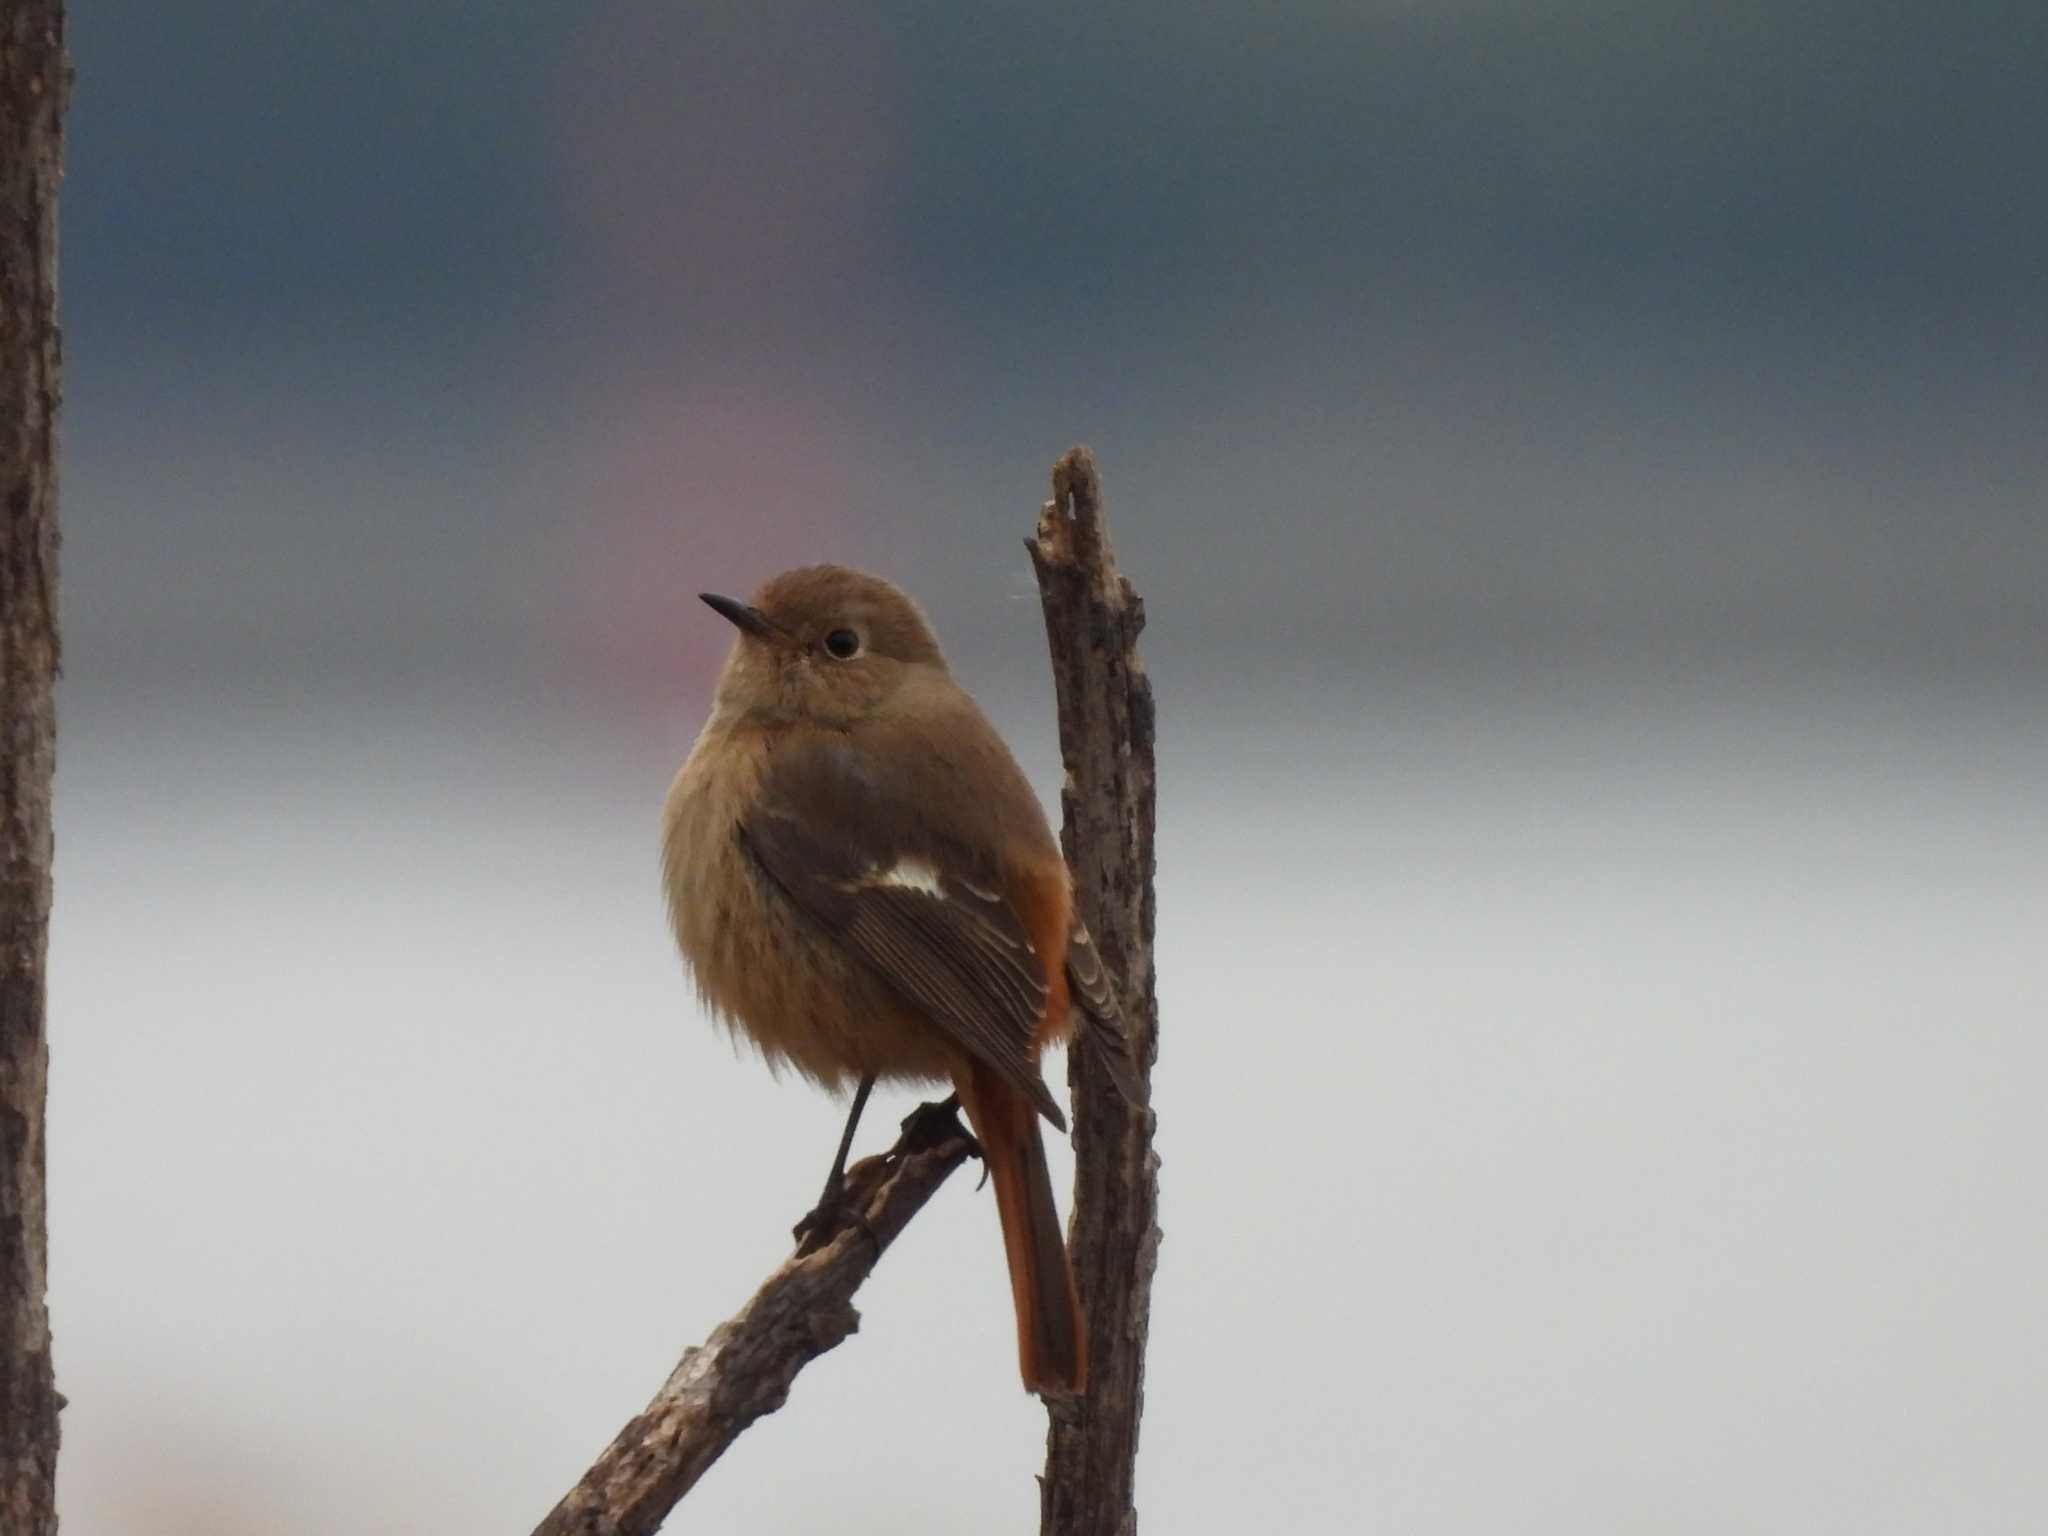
{"x":864,"y":884}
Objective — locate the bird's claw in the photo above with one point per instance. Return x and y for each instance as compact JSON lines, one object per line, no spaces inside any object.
{"x":828,"y":1218}
{"x":929,"y":1125}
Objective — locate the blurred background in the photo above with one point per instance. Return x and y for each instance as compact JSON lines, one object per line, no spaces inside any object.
{"x":1585,"y":466}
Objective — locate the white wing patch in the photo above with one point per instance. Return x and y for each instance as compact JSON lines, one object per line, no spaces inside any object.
{"x":916,"y":875}
{"x":911,"y":875}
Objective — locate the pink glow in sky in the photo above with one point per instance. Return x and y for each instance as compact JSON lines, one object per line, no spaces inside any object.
{"x":717,"y":232}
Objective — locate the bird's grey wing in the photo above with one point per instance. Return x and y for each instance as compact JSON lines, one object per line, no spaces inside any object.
{"x":1101,"y":1026}
{"x":925,"y":911}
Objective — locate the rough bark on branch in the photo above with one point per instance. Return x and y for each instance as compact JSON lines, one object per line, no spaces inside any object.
{"x":32,"y":88}
{"x":1092,"y":620}
{"x":745,"y":1368}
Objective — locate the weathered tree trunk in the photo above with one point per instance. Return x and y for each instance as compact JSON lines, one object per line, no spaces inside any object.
{"x":1092,"y":619}
{"x":32,"y":88}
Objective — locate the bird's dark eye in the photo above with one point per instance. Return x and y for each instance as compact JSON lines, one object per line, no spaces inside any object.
{"x":843,"y":644}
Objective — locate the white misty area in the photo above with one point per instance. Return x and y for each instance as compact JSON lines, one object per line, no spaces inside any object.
{"x":1568,"y":1124}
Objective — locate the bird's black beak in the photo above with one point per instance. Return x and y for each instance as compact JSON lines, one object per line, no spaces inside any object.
{"x":749,"y":620}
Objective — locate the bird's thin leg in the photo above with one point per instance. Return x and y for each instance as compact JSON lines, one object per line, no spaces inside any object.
{"x":824,"y":1215}
{"x":835,"y":1181}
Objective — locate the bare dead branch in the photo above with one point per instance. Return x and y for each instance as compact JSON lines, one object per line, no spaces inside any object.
{"x":34,"y":77}
{"x":745,"y":1369}
{"x":1092,"y":620}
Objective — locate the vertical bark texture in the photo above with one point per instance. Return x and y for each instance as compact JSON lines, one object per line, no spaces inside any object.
{"x":1092,"y":619}
{"x":32,"y":87}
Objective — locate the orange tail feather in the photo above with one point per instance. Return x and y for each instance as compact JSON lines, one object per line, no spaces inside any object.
{"x":1052,"y":1345}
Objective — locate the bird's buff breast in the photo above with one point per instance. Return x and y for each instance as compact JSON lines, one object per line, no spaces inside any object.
{"x":758,"y":963}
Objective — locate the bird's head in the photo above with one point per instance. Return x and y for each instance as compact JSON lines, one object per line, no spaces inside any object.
{"x":820,"y":644}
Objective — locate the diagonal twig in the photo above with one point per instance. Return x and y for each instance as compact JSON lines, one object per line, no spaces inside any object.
{"x":745,"y":1368}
